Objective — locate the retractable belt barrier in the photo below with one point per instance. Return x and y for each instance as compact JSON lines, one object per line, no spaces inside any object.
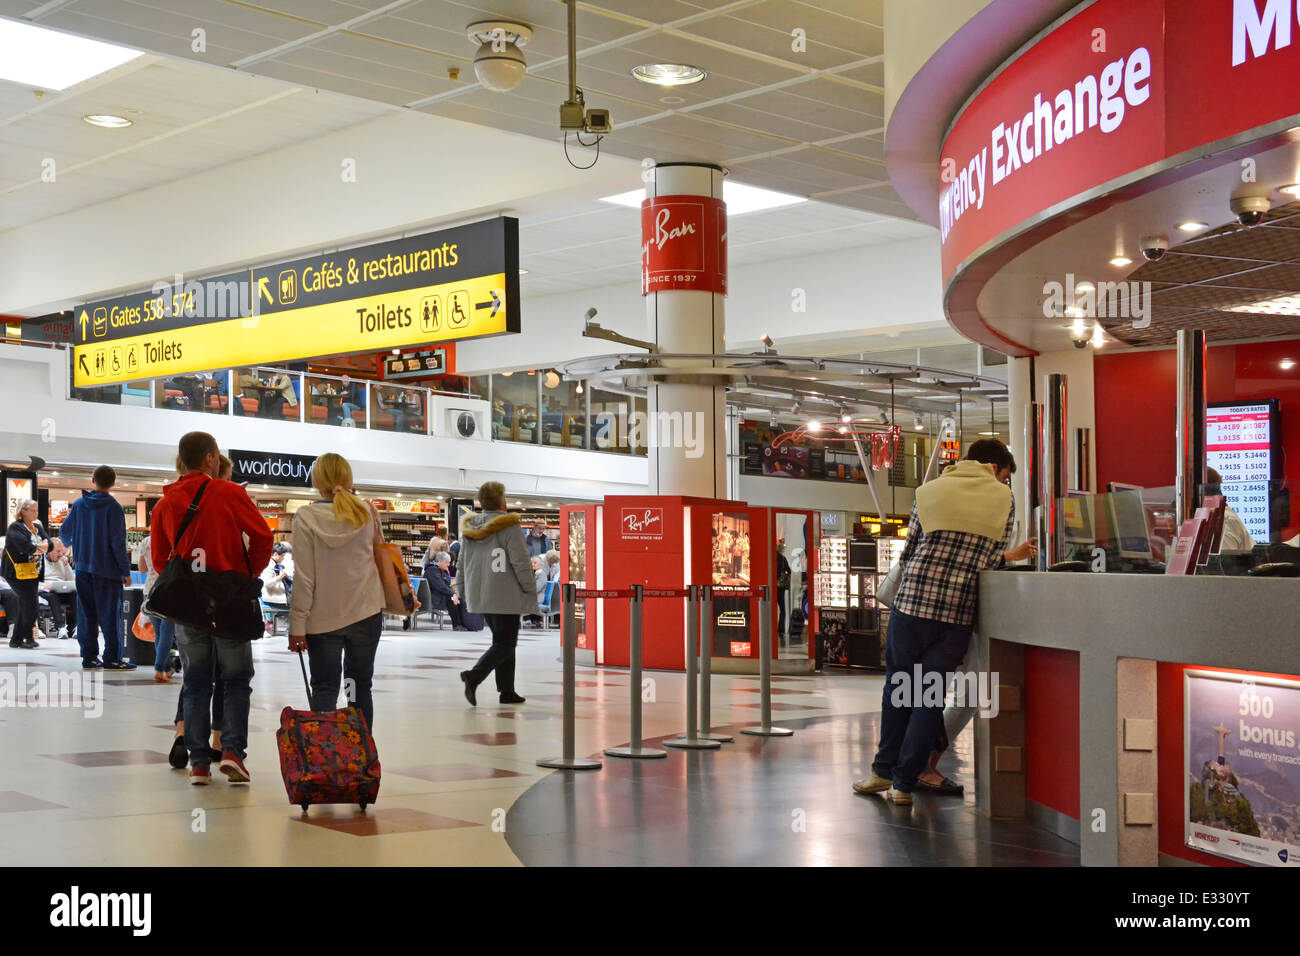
{"x":699,"y":654}
{"x":567,"y":760}
{"x":765,"y":728}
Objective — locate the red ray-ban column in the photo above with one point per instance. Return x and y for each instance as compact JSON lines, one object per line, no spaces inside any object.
{"x":684,"y":282}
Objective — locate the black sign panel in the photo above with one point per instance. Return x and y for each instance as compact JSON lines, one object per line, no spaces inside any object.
{"x":272,"y":468}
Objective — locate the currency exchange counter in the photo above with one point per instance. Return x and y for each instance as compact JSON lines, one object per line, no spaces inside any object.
{"x":1148,"y":718}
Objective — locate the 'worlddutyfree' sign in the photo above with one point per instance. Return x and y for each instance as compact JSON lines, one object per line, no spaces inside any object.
{"x":1242,"y":767}
{"x":272,"y":468}
{"x":1113,"y":89}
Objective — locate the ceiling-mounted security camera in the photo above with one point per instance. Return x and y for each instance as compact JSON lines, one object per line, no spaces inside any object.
{"x":1154,"y":247}
{"x":1249,"y":210}
{"x":499,"y":64}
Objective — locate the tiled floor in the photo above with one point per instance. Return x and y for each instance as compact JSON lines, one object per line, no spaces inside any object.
{"x":89,"y":785}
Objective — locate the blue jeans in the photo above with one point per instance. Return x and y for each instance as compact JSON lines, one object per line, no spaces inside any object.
{"x":907,"y":732}
{"x":234,"y":669}
{"x":350,"y":652}
{"x":164,"y":632}
{"x":99,"y":607}
{"x":348,"y":409}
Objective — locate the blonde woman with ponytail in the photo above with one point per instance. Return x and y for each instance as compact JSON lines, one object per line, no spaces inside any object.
{"x":336,"y":612}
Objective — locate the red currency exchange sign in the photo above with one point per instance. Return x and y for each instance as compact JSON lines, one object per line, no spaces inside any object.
{"x":683,"y":244}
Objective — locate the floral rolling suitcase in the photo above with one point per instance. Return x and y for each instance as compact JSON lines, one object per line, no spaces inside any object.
{"x":327,"y":756}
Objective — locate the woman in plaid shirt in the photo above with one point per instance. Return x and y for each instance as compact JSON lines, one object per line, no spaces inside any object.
{"x":961,"y":524}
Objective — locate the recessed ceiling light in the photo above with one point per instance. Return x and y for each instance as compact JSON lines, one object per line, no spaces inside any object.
{"x":668,"y":74}
{"x":1292,"y":190}
{"x":1282,"y":305}
{"x":1119,"y":262}
{"x":739,"y":198}
{"x":49,"y":60}
{"x":1084,"y":286}
{"x":107,"y":120}
{"x":1193,"y":226}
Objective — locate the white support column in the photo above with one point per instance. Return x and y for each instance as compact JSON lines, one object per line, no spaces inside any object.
{"x":686,"y":320}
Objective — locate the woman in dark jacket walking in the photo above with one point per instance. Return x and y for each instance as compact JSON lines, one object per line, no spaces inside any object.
{"x":26,"y":543}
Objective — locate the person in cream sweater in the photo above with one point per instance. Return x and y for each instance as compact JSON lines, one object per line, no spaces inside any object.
{"x":961,"y":524}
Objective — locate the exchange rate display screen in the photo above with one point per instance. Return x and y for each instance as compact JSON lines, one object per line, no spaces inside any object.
{"x":1241,"y":445}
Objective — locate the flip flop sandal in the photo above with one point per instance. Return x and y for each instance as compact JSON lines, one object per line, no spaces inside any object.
{"x":946,"y":786}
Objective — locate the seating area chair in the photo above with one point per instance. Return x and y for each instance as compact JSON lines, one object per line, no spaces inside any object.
{"x":425,"y":597}
{"x":550,"y":606}
{"x":270,"y":615}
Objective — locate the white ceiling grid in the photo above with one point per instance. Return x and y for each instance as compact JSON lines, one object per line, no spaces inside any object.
{"x":808,"y":122}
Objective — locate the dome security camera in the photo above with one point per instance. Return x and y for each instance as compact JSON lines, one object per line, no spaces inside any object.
{"x":499,"y":64}
{"x":1154,"y":247}
{"x":1249,"y":210}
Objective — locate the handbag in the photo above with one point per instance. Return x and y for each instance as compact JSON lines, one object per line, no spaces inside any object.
{"x":220,"y":603}
{"x":888,"y":589}
{"x":24,"y":570}
{"x":399,"y":596}
{"x":142,"y":628}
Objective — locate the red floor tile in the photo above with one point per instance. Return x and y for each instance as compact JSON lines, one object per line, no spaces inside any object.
{"x":489,"y":740}
{"x":110,"y":758}
{"x":11,"y":801}
{"x":444,"y":772}
{"x":380,"y":821}
{"x":779,"y":706}
{"x":775,"y":690}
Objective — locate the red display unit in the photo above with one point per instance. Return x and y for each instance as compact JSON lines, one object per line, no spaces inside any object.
{"x":670,"y":541}
{"x":578,"y":561}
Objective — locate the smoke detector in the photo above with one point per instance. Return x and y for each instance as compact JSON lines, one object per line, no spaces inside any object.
{"x":499,"y":63}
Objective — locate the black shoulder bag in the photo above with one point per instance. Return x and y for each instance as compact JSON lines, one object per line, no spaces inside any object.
{"x":220,"y":603}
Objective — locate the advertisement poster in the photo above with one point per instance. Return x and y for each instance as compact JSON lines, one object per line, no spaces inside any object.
{"x":802,"y":458}
{"x":1242,"y":765}
{"x":17,"y":490}
{"x":731,"y":631}
{"x":578,"y":569}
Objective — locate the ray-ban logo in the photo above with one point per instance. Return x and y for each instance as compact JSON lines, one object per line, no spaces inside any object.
{"x":643,"y":524}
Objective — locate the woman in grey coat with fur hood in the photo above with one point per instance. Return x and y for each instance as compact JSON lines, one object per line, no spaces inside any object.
{"x":494,"y":577}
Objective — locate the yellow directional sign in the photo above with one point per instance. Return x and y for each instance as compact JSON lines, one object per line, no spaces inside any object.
{"x":455,"y":284}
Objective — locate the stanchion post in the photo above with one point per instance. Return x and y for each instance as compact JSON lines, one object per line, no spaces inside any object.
{"x":567,"y":760}
{"x":765,"y":728}
{"x":634,"y":750}
{"x":706,"y":667}
{"x":691,"y":739}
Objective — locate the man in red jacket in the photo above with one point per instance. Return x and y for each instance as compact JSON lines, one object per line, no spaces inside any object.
{"x":214,"y":541}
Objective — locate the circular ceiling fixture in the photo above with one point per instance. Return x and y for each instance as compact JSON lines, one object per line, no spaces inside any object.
{"x":1193,"y":226}
{"x":499,"y":63}
{"x":1119,"y":262}
{"x":668,"y":74}
{"x":107,"y":120}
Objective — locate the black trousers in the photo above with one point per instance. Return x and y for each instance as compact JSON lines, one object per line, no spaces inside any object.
{"x":10,"y":601}
{"x":500,"y":657}
{"x":25,"y":619}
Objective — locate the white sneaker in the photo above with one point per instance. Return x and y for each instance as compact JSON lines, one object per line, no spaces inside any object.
{"x":63,"y":633}
{"x":899,"y":797}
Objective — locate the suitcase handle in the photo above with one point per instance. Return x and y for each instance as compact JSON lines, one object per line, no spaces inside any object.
{"x":305,"y":683}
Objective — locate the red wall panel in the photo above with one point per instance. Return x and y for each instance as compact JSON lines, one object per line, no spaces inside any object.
{"x":1136,"y":403}
{"x":1052,"y":728}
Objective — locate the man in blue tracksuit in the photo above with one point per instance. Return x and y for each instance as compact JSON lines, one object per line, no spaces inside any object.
{"x":95,"y":530}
